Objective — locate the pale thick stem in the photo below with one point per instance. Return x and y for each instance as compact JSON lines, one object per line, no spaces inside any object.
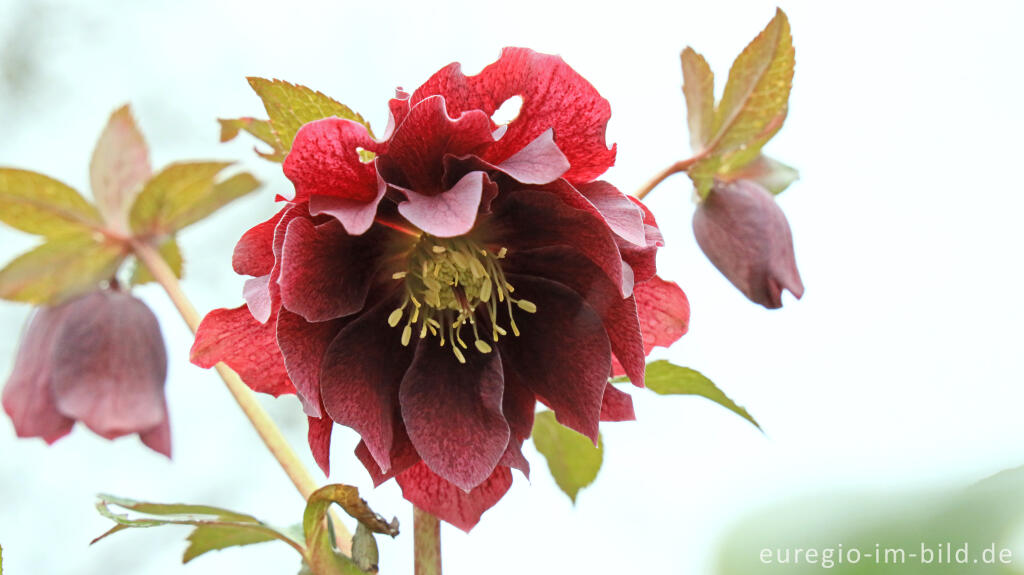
{"x":246,"y":399}
{"x":680,"y":166}
{"x":427,"y":536}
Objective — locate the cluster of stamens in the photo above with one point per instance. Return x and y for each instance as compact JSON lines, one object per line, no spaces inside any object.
{"x":445,"y":281}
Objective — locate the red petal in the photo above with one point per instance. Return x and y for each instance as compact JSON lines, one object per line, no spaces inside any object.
{"x":450,"y":213}
{"x":324,"y":160}
{"x":415,"y":154}
{"x":531,"y":219}
{"x":319,"y":437}
{"x":746,"y":236}
{"x":554,"y":96}
{"x":452,"y":412}
{"x":254,"y":254}
{"x":28,"y":395}
{"x":325,"y":272}
{"x":664,"y":312}
{"x":518,"y":405}
{"x":110,"y":365}
{"x":619,"y":315}
{"x":360,"y":375}
{"x":514,"y":458}
{"x":436,"y":496}
{"x":303,"y":345}
{"x":622,"y":215}
{"x":563,"y":353}
{"x":356,"y":216}
{"x":616,"y":405}
{"x":403,"y":456}
{"x":246,"y":346}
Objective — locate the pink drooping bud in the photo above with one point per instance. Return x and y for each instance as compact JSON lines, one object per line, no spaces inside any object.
{"x":99,"y":359}
{"x":746,"y":236}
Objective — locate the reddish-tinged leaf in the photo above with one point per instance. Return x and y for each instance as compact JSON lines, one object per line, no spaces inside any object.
{"x":699,"y":90}
{"x":119,"y":168}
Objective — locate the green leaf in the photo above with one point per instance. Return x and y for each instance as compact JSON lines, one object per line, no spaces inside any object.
{"x":171,"y":253}
{"x":38,"y":204}
{"x":260,"y":129}
{"x":665,"y":378}
{"x":119,"y":168}
{"x":364,"y":549}
{"x":699,"y":90}
{"x":571,"y":456}
{"x":184,"y":193}
{"x":322,"y":557}
{"x":289,"y":106}
{"x":753,"y":106}
{"x":63,"y":267}
{"x":772,"y":174}
{"x":215,"y":528}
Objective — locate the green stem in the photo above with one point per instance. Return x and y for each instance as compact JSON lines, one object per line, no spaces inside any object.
{"x":427,"y":536}
{"x":246,"y":399}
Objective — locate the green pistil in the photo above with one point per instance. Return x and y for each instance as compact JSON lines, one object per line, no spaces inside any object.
{"x":446,"y":280}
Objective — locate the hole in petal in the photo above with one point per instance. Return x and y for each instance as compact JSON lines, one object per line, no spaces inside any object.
{"x":365,"y":156}
{"x":508,"y":111}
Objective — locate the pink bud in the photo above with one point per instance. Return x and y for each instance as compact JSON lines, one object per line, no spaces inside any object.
{"x":746,"y":236}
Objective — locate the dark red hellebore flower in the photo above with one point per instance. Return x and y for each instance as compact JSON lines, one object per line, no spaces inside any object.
{"x":427,"y":289}
{"x":746,"y":236}
{"x":99,"y":359}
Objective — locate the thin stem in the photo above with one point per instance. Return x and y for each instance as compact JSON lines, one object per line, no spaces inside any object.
{"x":427,"y":536}
{"x":680,"y":166}
{"x":246,"y":399}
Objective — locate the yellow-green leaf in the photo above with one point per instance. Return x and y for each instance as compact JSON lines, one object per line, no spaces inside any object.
{"x":63,"y":267}
{"x":323,"y":558}
{"x":260,"y":129}
{"x":171,"y":253}
{"x":206,"y":538}
{"x":665,"y":378}
{"x":119,"y":168}
{"x":184,"y":193}
{"x":289,"y":106}
{"x":38,"y":204}
{"x":699,"y":91}
{"x":571,"y":456}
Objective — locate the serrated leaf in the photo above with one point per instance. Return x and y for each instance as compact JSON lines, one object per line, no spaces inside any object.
{"x":171,"y":253}
{"x":289,"y":106}
{"x":572,"y":458}
{"x":772,"y":174}
{"x":215,"y":528}
{"x":63,"y":267}
{"x":664,"y":378}
{"x":41,"y":205}
{"x":184,"y":193}
{"x":699,"y":91}
{"x":119,"y":168}
{"x":260,"y":129}
{"x":323,"y":558}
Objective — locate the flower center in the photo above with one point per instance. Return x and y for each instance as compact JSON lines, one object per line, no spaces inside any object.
{"x":446,"y":281}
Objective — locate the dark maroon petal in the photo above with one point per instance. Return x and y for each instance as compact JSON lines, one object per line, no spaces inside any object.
{"x":403,"y":456}
{"x":303,"y":345}
{"x":518,"y":405}
{"x":664,"y":312}
{"x":246,"y":346}
{"x":159,"y":438}
{"x":450,"y":213}
{"x":531,"y":219}
{"x":554,"y":96}
{"x":746,"y":236}
{"x":514,"y":458}
{"x":319,"y":437}
{"x":618,"y":314}
{"x":415,"y":154}
{"x":540,"y":162}
{"x":452,"y":412}
{"x":110,"y":365}
{"x":28,"y":395}
{"x":325,"y":272}
{"x":617,"y":405}
{"x":360,"y":375}
{"x":324,"y":161}
{"x":622,"y":215}
{"x":563,"y":354}
{"x":426,"y":490}
{"x":254,"y":254}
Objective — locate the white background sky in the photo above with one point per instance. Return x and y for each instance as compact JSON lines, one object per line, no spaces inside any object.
{"x":900,"y":369}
